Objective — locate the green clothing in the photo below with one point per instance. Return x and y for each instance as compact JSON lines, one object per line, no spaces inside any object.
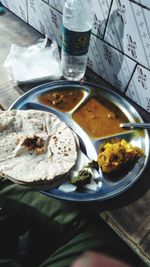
{"x":36,"y":230}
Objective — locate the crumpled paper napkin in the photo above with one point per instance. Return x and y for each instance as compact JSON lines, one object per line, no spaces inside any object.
{"x":33,"y":63}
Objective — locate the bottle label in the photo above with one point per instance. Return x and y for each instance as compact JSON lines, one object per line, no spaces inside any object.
{"x":75,"y":43}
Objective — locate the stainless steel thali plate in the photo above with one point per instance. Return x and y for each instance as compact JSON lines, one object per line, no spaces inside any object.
{"x":109,"y":187}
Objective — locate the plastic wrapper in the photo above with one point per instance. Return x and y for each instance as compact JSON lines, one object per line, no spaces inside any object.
{"x":33,"y":63}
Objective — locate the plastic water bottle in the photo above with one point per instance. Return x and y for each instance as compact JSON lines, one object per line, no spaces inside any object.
{"x":78,"y":19}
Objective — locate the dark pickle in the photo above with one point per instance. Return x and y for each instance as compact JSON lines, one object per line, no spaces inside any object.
{"x":63,"y":100}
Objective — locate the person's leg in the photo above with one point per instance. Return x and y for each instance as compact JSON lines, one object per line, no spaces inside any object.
{"x":55,"y":222}
{"x":9,"y":263}
{"x":66,"y":254}
{"x":65,"y":218}
{"x":93,"y":259}
{"x":91,"y":246}
{"x":71,"y":228}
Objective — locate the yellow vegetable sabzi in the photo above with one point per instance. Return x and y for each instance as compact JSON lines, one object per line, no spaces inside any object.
{"x":115,"y":154}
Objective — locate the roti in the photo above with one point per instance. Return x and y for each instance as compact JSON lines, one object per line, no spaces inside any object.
{"x":36,"y":147}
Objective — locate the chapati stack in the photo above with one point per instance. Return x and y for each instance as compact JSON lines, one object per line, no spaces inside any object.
{"x":36,"y":147}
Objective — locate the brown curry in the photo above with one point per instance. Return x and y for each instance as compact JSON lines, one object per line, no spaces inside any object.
{"x":100,"y":118}
{"x":63,"y":100}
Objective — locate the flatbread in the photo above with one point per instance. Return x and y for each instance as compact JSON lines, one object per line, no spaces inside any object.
{"x":36,"y":147}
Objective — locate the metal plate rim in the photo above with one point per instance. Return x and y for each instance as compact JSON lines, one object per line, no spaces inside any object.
{"x":48,"y":86}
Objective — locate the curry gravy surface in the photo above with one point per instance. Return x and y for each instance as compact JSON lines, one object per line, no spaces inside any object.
{"x":63,"y":100}
{"x":100,"y":118}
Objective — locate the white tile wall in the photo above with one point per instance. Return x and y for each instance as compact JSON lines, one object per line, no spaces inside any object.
{"x":128,"y":30}
{"x":145,"y":3}
{"x":19,"y":7}
{"x":45,"y":19}
{"x":120,"y":42}
{"x":110,"y":64}
{"x":58,"y":4}
{"x":139,"y":89}
{"x":101,"y":11}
